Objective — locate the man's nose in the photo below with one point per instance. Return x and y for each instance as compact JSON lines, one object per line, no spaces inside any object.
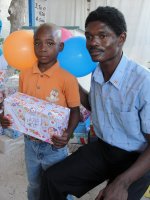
{"x":95,"y":41}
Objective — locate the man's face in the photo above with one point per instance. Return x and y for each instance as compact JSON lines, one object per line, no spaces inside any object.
{"x":46,"y":45}
{"x":102,"y":42}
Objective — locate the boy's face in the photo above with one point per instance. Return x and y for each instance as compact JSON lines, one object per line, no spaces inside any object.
{"x":102,"y":42}
{"x":47,"y":45}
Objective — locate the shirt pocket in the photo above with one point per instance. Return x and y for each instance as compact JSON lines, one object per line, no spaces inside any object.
{"x":130,"y":122}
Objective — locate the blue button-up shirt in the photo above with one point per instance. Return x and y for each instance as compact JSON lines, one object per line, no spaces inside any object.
{"x":121,"y":106}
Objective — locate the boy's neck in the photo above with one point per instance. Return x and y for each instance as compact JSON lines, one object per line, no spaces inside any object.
{"x":44,"y":67}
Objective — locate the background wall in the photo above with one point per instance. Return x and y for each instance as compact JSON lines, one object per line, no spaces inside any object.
{"x":4,"y":5}
{"x":136,"y":12}
{"x":74,"y":13}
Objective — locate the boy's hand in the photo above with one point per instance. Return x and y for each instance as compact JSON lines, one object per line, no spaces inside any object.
{"x":5,"y":121}
{"x":60,"y":142}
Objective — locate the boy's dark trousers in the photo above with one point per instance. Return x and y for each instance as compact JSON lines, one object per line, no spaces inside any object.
{"x":89,"y":166}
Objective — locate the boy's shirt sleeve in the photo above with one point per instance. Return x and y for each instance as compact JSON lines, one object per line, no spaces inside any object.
{"x":72,"y":92}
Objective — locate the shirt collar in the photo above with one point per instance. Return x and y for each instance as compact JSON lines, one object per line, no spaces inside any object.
{"x":117,"y":76}
{"x":48,"y":72}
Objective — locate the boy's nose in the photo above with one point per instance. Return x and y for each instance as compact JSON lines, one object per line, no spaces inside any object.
{"x":43,"y":47}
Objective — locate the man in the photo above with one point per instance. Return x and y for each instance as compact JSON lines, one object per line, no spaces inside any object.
{"x":120,"y":104}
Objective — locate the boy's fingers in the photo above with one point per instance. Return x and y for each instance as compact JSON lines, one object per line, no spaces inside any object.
{"x":59,"y":142}
{"x":5,"y":121}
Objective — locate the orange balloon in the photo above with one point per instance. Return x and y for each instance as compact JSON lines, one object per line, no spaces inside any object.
{"x":18,"y":49}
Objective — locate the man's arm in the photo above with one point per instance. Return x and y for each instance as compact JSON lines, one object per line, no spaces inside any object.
{"x":73,"y":122}
{"x":118,"y":189}
{"x":84,"y":97}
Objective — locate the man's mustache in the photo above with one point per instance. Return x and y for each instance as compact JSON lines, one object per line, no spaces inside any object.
{"x":95,"y":49}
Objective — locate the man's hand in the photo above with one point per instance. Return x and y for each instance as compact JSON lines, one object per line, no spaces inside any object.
{"x":113,"y":191}
{"x":100,"y":195}
{"x":5,"y":121}
{"x":60,"y":141}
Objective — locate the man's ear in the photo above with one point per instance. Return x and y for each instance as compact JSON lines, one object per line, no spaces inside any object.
{"x":61,"y":46}
{"x":122,"y":38}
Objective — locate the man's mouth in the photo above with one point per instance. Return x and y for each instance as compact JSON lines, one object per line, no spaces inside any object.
{"x":96,"y":52}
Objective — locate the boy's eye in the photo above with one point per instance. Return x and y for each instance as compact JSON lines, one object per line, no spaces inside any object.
{"x":50,"y":44}
{"x":36,"y":43}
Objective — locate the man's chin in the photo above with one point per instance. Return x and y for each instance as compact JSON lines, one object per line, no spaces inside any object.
{"x":95,"y":59}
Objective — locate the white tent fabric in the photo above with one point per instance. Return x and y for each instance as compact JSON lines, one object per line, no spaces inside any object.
{"x":67,"y":13}
{"x":136,"y":12}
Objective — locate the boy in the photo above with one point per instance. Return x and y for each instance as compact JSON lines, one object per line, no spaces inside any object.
{"x":46,"y":80}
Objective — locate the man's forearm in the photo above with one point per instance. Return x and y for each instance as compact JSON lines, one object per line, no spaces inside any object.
{"x":137,"y":170}
{"x":84,"y":97}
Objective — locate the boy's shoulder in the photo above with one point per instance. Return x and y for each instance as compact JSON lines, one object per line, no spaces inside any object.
{"x":26,"y":72}
{"x":65,"y":73}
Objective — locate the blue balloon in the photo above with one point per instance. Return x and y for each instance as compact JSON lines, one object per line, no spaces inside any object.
{"x":1,"y":52}
{"x":75,"y":58}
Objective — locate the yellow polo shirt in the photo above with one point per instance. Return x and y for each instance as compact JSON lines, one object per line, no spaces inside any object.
{"x":55,"y":85}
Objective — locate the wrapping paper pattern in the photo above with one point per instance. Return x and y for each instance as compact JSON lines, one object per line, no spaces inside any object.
{"x":36,"y":117}
{"x":8,"y":86}
{"x":81,"y":133}
{"x":11,"y":85}
{"x":84,"y":113}
{"x":3,"y":77}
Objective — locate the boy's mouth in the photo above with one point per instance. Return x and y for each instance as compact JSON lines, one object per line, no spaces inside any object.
{"x":43,"y":57}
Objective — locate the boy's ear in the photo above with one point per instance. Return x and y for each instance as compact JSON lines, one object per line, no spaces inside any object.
{"x":61,"y":46}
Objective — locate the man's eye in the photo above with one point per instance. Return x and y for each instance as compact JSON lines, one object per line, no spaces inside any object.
{"x":102,"y":36}
{"x":88,"y":37}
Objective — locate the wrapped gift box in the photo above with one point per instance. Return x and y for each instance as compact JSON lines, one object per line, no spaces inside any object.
{"x":36,"y":117}
{"x":11,"y":85}
{"x":3,"y":77}
{"x":8,"y":85}
{"x":81,"y":133}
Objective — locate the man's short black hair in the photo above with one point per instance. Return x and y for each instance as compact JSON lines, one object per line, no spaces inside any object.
{"x":110,"y":16}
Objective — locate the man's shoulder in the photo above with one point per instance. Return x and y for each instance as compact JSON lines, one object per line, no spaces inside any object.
{"x":137,"y":68}
{"x":137,"y":74}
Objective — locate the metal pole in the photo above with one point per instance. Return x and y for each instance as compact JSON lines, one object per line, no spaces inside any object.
{"x":31,"y":8}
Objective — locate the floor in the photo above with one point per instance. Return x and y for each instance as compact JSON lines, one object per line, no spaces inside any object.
{"x":13,"y":180}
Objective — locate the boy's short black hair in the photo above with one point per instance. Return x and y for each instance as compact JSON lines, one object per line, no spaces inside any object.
{"x":110,"y":16}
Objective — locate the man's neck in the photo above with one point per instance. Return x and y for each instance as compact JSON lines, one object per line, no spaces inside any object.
{"x":109,"y":67}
